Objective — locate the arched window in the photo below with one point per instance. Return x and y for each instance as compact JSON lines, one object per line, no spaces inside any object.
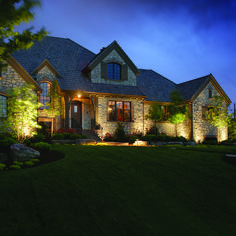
{"x":44,"y":96}
{"x":113,"y":71}
{"x":3,"y":106}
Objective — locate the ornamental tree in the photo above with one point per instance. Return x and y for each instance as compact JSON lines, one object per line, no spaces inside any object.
{"x":155,"y":113}
{"x":22,"y":112}
{"x":12,"y":14}
{"x":218,"y":113}
{"x":178,"y":110}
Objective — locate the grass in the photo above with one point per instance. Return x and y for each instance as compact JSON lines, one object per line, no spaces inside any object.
{"x":98,"y":190}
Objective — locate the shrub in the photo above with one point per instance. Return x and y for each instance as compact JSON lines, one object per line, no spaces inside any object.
{"x":132,"y":139}
{"x":41,"y":146}
{"x":14,"y":167}
{"x":2,"y":166}
{"x":153,"y":130}
{"x":120,"y":132}
{"x":67,"y":135}
{"x":84,"y":136}
{"x":34,"y":160}
{"x":37,"y":138}
{"x":75,"y":136}
{"x":108,"y":137}
{"x":19,"y":163}
{"x":148,"y":137}
{"x":5,"y":143}
{"x":58,"y":136}
{"x":210,"y":142}
{"x":29,"y":163}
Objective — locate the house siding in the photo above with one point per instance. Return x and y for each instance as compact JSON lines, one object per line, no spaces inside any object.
{"x":115,"y":57}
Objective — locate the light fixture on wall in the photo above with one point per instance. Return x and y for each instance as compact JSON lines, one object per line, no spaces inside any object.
{"x":79,"y":95}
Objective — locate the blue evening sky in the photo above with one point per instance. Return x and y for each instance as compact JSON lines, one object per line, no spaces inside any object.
{"x":182,"y":40}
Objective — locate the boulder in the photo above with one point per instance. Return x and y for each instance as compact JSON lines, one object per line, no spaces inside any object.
{"x":140,"y":143}
{"x":85,"y":141}
{"x":175,"y":143}
{"x":157,"y":143}
{"x":20,"y":152}
{"x":190,"y":144}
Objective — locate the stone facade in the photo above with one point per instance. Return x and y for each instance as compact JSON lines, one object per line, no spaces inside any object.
{"x":202,"y":128}
{"x":10,"y":79}
{"x":136,"y":124}
{"x":113,"y":57}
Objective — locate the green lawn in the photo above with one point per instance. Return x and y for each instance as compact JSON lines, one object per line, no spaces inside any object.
{"x":130,"y":191}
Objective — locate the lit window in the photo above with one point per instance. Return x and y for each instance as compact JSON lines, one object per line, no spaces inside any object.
{"x":3,"y":106}
{"x":119,"y":111}
{"x":44,"y":96}
{"x":113,"y":71}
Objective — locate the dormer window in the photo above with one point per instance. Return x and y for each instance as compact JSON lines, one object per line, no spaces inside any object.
{"x":113,"y":71}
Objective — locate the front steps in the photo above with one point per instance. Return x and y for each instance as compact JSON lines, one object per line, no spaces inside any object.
{"x":91,"y":134}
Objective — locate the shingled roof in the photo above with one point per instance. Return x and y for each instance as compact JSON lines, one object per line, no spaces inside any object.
{"x":155,"y":86}
{"x":68,"y":59}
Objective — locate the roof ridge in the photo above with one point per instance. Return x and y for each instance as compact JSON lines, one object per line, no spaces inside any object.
{"x":206,"y":76}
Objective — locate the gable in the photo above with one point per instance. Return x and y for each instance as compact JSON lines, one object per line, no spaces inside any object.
{"x":42,"y":66}
{"x":23,"y":74}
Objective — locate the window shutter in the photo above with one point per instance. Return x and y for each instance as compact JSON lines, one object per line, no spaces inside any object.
{"x":103,"y":70}
{"x":124,"y":72}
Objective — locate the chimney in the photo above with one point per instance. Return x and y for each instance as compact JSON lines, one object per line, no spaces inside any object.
{"x":102,"y":49}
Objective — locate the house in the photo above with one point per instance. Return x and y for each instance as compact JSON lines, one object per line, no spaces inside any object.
{"x":100,"y":89}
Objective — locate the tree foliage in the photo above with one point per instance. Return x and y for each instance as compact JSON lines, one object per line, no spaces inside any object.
{"x":178,"y":110}
{"x":218,"y":113}
{"x":12,"y":14}
{"x":54,"y":106}
{"x":155,"y":113}
{"x":21,"y":113}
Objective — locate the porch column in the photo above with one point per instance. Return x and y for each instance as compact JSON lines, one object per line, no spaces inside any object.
{"x":94,"y":110}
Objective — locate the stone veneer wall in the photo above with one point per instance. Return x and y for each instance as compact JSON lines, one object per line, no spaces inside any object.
{"x":45,"y":73}
{"x":184,"y":129}
{"x":113,"y":56}
{"x":10,"y":79}
{"x":201,"y":127}
{"x":110,"y":126}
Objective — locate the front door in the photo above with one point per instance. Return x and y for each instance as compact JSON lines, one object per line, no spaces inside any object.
{"x":76,"y":114}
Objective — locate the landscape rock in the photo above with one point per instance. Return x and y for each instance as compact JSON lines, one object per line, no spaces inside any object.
{"x":20,"y":152}
{"x":157,"y":143}
{"x":85,"y":141}
{"x":175,"y":143}
{"x":140,"y":143}
{"x":190,"y":144}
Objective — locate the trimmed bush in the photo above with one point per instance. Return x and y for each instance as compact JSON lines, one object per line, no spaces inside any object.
{"x":57,"y":136}
{"x":37,"y":138}
{"x":6,"y":142}
{"x":29,"y":163}
{"x":2,"y":166}
{"x":15,"y":167}
{"x":41,"y":146}
{"x":132,"y":139}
